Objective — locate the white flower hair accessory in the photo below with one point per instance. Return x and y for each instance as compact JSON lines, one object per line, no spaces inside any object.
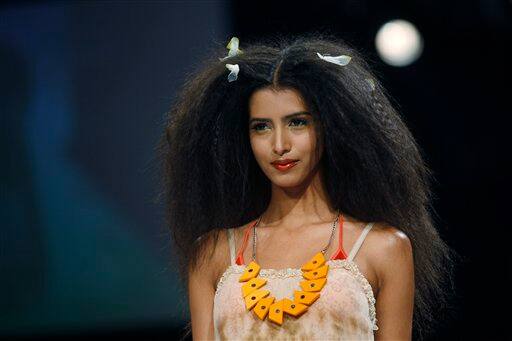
{"x":233,"y":51}
{"x":233,"y":48}
{"x":339,"y":60}
{"x":233,"y":75}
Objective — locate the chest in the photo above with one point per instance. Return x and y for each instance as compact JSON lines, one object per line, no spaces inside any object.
{"x":275,"y":256}
{"x":292,"y":249}
{"x":345,"y":306}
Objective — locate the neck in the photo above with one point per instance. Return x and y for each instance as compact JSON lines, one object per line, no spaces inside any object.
{"x":299,"y":206}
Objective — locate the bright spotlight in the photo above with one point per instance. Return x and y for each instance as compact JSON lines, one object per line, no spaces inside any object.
{"x":398,"y":43}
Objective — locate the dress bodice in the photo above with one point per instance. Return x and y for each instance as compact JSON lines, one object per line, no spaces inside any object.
{"x":344,"y":311}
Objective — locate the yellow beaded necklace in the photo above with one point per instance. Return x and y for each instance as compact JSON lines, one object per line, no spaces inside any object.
{"x":262,"y":303}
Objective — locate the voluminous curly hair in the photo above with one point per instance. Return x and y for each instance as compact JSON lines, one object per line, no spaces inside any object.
{"x":373,"y":167}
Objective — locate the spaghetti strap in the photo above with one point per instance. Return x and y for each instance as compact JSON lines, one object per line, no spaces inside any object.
{"x":340,"y":252}
{"x":359,"y":241}
{"x":231,"y":246}
{"x":240,"y":255}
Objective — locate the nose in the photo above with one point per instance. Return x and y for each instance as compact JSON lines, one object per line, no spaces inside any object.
{"x":281,"y":143}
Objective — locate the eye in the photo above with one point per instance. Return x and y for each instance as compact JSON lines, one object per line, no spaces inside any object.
{"x":257,"y":126}
{"x":298,"y":122}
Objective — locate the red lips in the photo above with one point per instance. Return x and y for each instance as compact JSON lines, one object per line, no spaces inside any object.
{"x":283,"y":161}
{"x":284,"y":164}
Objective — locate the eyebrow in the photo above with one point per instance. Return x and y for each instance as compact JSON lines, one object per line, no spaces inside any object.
{"x":283,"y":119}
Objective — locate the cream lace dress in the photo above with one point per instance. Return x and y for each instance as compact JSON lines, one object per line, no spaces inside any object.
{"x":344,"y":311}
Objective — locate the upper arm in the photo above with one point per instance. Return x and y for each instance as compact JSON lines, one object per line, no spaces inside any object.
{"x":201,"y":290}
{"x":395,"y":301}
{"x":201,"y":306}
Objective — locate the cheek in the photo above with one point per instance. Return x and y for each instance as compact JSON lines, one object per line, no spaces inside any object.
{"x":307,"y":145}
{"x":258,"y":148}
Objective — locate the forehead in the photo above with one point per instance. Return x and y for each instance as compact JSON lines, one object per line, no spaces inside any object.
{"x":269,"y":102}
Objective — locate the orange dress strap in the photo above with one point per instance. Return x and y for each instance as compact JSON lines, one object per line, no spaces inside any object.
{"x":340,"y":253}
{"x":240,"y":254}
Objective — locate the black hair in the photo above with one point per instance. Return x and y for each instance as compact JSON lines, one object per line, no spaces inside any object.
{"x":373,"y":167}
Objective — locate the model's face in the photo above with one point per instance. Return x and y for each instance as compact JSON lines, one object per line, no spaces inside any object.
{"x":280,"y":127}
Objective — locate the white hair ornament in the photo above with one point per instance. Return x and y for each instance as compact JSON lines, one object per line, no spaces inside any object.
{"x":233,"y":75}
{"x":342,"y":60}
{"x":233,"y":51}
{"x":233,"y":48}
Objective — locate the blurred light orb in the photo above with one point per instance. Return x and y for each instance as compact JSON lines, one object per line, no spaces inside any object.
{"x":399,"y":43}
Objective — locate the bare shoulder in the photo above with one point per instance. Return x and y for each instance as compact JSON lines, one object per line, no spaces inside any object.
{"x":213,"y":255}
{"x":219,"y":254}
{"x":388,"y":247}
{"x":223,"y":260}
{"x":388,"y":238}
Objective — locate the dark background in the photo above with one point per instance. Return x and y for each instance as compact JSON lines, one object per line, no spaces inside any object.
{"x":85,"y":86}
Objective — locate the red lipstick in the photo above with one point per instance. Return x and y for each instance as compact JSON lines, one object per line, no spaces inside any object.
{"x":284,"y":165}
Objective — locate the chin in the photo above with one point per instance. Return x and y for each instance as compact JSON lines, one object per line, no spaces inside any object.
{"x":284,"y":182}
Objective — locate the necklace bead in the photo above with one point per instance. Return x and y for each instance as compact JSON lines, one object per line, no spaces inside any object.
{"x":263,"y":304}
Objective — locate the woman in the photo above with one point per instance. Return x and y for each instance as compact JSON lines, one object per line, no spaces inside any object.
{"x":287,"y":167}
